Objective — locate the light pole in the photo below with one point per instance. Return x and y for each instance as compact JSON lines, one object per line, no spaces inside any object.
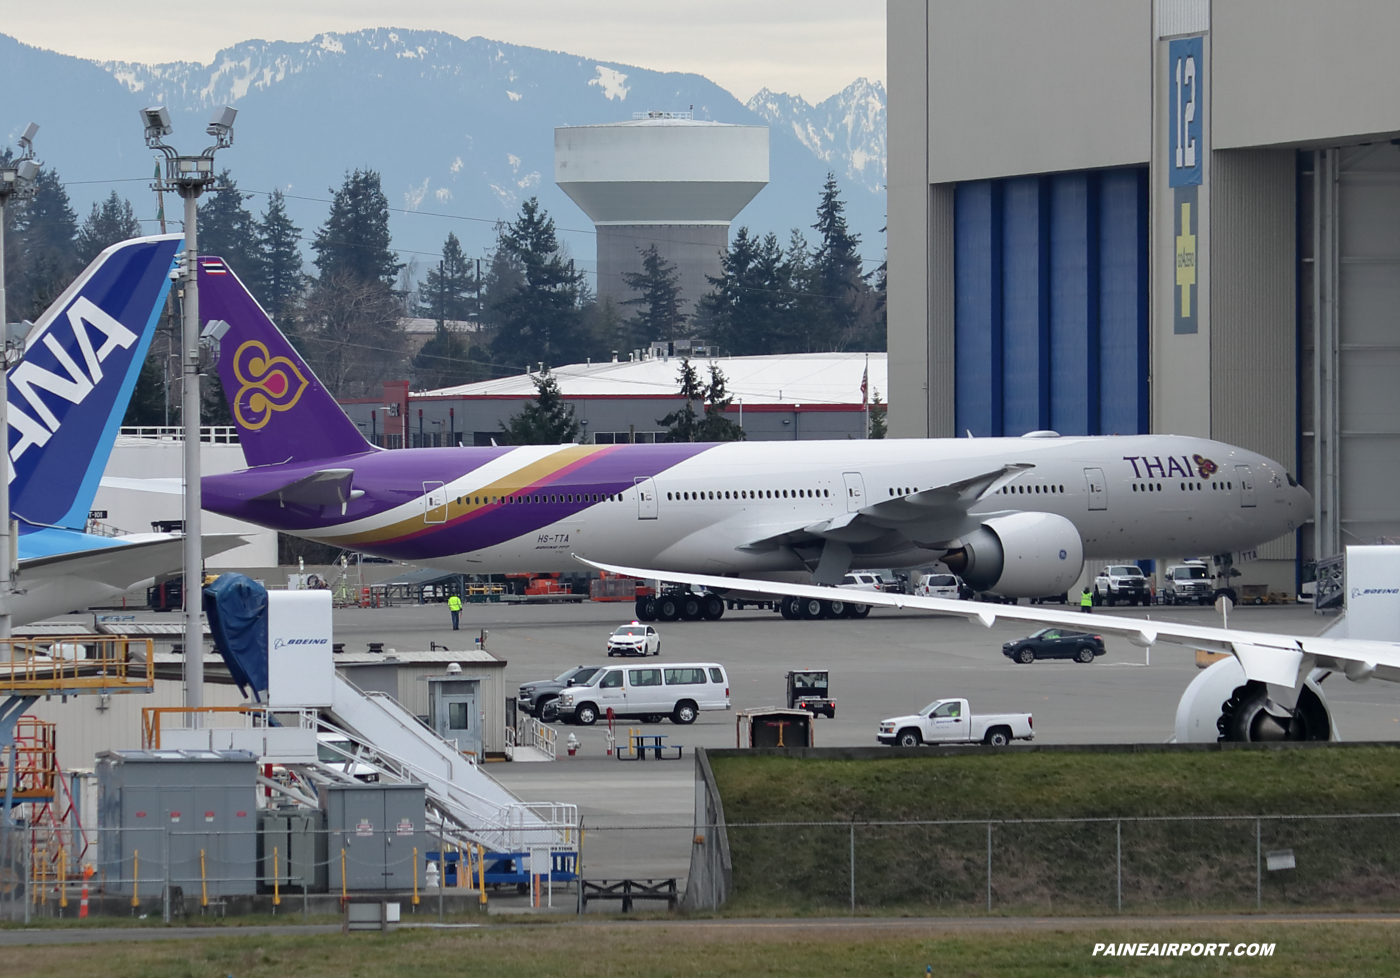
{"x":191,"y":176}
{"x":17,"y":182}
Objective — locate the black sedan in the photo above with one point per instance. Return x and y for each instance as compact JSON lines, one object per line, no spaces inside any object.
{"x":1054,"y":643}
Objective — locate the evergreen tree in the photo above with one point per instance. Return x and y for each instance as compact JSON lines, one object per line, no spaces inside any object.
{"x":228,"y":230}
{"x":112,"y":221}
{"x":878,"y":428}
{"x":709,"y":423}
{"x":683,"y":424}
{"x":354,"y":242}
{"x":449,"y":292}
{"x":842,"y":304}
{"x":147,"y":405}
{"x":548,"y":421}
{"x":607,"y":331}
{"x":279,"y":280}
{"x":41,"y":249}
{"x":448,"y":359}
{"x":752,"y":309}
{"x":540,"y":319}
{"x":715,"y":426}
{"x":503,"y":276}
{"x":658,"y":303}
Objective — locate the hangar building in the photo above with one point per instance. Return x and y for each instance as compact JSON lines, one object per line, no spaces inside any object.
{"x":1122,"y":216}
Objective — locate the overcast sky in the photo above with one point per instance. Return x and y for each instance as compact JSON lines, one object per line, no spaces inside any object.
{"x":809,"y":47}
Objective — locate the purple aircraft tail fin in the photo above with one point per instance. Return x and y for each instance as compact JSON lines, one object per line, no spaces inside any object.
{"x":282,"y":411}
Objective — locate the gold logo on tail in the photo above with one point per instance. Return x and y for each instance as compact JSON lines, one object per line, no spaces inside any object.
{"x":266,"y":384}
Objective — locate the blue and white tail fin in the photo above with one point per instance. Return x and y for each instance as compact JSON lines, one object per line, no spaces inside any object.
{"x":68,"y":395}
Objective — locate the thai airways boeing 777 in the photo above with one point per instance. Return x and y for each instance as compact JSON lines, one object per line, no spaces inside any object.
{"x":1016,"y":516}
{"x":67,"y":397}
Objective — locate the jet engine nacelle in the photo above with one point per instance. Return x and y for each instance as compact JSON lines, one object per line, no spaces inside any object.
{"x":1223,"y":704}
{"x":1023,"y":555}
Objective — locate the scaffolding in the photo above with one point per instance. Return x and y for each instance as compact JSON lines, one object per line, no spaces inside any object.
{"x":74,"y":665}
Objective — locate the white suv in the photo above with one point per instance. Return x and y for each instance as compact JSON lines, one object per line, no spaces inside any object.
{"x":634,"y":639}
{"x":939,"y":586}
{"x":1122,"y":582}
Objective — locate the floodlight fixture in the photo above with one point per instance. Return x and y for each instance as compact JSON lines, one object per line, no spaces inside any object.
{"x":27,"y":171}
{"x":26,"y":142}
{"x":221,"y":126}
{"x":156,"y":119}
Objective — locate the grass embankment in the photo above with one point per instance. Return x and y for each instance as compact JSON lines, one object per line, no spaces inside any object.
{"x":790,"y":950}
{"x":1039,"y":867}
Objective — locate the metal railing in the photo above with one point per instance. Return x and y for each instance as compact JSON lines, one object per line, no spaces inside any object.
{"x":76,"y":664}
{"x":533,"y":733}
{"x":212,"y":434}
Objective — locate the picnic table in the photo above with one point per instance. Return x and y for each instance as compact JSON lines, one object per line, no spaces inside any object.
{"x":639,"y":743}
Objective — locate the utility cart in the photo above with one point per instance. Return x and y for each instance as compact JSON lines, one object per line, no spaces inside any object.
{"x":809,"y":689}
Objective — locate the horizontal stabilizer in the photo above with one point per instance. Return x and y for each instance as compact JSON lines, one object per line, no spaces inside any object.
{"x":327,"y":487}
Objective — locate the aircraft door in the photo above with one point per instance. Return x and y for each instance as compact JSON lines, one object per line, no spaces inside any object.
{"x":1246,"y":480}
{"x":1097,"y":488}
{"x":434,"y":502}
{"x":855,"y":491}
{"x":457,"y":722}
{"x":646,"y":498}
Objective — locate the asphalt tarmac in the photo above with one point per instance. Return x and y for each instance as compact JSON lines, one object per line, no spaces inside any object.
{"x":638,"y":814}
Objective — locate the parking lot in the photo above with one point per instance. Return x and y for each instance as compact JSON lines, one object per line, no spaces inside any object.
{"x":884,"y":665}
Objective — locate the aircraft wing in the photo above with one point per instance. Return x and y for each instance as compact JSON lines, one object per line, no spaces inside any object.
{"x":1284,"y":660}
{"x":929,"y":516}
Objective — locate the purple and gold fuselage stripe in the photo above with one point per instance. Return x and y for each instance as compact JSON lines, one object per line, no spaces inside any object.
{"x":518,"y":503}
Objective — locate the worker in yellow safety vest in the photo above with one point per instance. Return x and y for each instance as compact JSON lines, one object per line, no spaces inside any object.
{"x":1086,"y":604}
{"x":454,"y":605}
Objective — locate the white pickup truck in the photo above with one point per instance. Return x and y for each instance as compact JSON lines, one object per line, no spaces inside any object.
{"x":951,"y":722}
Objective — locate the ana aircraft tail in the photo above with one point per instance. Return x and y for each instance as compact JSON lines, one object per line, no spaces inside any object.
{"x":282,"y":411}
{"x":68,"y":395}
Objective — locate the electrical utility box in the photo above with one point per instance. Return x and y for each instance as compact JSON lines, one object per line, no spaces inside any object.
{"x":158,"y":810}
{"x":292,"y":847}
{"x":374,"y":830}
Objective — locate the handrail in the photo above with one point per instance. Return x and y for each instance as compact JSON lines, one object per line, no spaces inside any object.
{"x":75,"y":664}
{"x":151,"y":717}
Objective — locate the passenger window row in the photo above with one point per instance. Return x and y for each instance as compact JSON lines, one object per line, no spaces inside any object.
{"x":523,"y":498}
{"x":1184,"y":486}
{"x":1020,"y":489}
{"x":720,"y":494}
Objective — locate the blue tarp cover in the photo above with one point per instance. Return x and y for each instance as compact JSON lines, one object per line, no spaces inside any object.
{"x":237,"y":609}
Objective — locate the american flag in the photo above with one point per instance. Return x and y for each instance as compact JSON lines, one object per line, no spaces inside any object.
{"x":865,"y":387}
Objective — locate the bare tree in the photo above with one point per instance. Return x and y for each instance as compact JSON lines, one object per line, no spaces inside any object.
{"x":348,"y":331}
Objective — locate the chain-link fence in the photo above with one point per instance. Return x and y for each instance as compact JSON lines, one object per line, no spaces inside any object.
{"x":173,"y":872}
{"x":1053,"y":866}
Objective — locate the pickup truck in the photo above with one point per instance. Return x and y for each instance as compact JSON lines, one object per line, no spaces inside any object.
{"x":949,"y":721}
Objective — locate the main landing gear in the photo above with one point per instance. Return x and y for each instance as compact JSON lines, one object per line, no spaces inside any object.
{"x":812,"y":609}
{"x":680,"y":604}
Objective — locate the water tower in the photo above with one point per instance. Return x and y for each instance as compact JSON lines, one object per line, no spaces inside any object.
{"x":663,"y":179}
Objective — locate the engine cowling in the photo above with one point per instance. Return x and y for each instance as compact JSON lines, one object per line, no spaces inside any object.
{"x":1023,"y":555}
{"x":1223,"y":704}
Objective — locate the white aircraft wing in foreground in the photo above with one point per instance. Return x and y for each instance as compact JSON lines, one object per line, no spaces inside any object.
{"x":1264,"y":656}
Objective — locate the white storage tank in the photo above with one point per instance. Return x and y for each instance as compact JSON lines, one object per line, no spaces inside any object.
{"x":666,"y":179}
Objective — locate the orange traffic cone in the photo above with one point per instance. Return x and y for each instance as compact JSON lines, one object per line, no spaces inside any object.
{"x":83,"y":903}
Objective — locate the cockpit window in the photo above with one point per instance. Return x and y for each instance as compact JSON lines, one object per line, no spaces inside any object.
{"x":1291,"y":481}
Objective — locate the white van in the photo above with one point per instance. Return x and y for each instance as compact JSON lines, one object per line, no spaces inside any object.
{"x":647,"y":693}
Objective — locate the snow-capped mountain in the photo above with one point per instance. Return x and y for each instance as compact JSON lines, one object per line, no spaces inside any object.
{"x":461,"y":130}
{"x":846,"y":131}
